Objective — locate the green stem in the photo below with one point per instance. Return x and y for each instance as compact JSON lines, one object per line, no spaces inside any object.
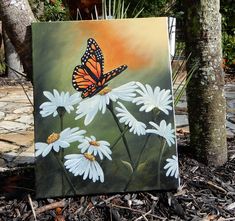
{"x":62,"y":156}
{"x":65,"y":173}
{"x":137,"y":162}
{"x":163,"y":142}
{"x":110,"y":107}
{"x":119,"y":137}
{"x":61,"y":112}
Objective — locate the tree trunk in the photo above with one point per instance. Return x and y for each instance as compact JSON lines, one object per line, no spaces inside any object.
{"x":17,"y":17}
{"x":11,"y":57}
{"x":205,"y":92}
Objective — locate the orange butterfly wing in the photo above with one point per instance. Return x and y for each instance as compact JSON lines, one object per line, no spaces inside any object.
{"x":88,"y":77}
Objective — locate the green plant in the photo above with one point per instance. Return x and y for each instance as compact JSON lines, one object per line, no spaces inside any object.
{"x":228,"y":48}
{"x":228,"y":28}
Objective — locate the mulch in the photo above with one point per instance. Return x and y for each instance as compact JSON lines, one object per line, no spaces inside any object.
{"x":206,"y":194}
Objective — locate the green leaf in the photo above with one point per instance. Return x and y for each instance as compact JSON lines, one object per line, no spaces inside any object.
{"x":127,"y":165}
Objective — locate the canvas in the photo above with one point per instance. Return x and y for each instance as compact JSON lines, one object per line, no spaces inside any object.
{"x":104,"y":116}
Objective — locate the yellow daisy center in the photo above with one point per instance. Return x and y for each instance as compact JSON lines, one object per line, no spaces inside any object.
{"x":94,"y":143}
{"x":53,"y":137}
{"x":105,"y":91}
{"x":89,"y":156}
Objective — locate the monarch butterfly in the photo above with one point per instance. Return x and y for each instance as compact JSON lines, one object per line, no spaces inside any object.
{"x":89,"y":77}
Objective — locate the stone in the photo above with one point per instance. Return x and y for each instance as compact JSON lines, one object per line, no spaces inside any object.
{"x":230,"y":94}
{"x":6,"y":147}
{"x":230,"y":125}
{"x":22,"y":110}
{"x":2,"y":163}
{"x":10,"y":126}
{"x":2,"y":104}
{"x":181,"y":120}
{"x":11,"y":117}
{"x":24,"y":158}
{"x":9,"y":157}
{"x":26,"y":119}
{"x":230,"y":134}
{"x":21,"y":139}
{"x":2,"y":115}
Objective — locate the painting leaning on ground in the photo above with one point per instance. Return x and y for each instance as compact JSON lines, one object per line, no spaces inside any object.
{"x":104,"y":119}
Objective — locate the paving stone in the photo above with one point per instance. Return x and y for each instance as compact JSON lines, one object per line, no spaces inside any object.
{"x":2,"y":115}
{"x":24,"y":158}
{"x":9,"y":157}
{"x":26,"y":119}
{"x":230,"y":134}
{"x":2,"y":163}
{"x":2,"y":104}
{"x":230,"y":94}
{"x":31,"y":149}
{"x":6,"y":147}
{"x":21,"y":139}
{"x":11,"y":117}
{"x":22,"y":110}
{"x":230,"y":125}
{"x":181,"y":120}
{"x":9,"y":126}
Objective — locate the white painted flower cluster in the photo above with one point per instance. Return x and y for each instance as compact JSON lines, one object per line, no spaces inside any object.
{"x":85,"y":163}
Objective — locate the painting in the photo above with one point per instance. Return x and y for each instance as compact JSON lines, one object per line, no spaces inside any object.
{"x":104,"y":115}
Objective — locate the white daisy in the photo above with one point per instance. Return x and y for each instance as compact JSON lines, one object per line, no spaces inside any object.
{"x":59,"y":140}
{"x":136,"y":127}
{"x":151,"y":99}
{"x":89,"y":107}
{"x":57,"y":100}
{"x":91,"y":146}
{"x":172,"y":167}
{"x":163,"y":130}
{"x":84,"y":165}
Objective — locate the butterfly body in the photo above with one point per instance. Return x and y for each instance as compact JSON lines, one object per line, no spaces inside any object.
{"x":89,"y":77}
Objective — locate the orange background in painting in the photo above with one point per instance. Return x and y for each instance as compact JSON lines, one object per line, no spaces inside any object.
{"x":125,"y":42}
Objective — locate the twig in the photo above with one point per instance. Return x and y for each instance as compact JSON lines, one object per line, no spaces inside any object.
{"x":216,"y":187}
{"x":31,"y":205}
{"x":138,"y":211}
{"x":51,"y":206}
{"x":144,"y":216}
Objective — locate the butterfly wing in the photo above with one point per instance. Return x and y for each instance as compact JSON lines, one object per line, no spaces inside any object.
{"x":111,"y":74}
{"x":87,"y":76}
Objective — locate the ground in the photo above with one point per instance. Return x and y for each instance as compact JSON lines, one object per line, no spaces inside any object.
{"x":206,"y":193}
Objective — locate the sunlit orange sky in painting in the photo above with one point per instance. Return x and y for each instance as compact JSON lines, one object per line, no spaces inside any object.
{"x":133,"y":42}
